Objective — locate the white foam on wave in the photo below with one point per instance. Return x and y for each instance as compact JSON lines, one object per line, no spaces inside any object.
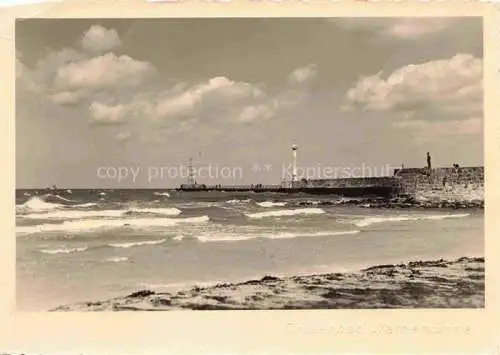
{"x":37,"y":204}
{"x":79,"y":214}
{"x":237,"y":202}
{"x":94,"y":224}
{"x":74,"y":214}
{"x":198,"y":204}
{"x":286,"y":213}
{"x":57,"y":198}
{"x":368,"y":221}
{"x":88,"y":204}
{"x":42,"y":203}
{"x":166,"y":194}
{"x":63,"y":250}
{"x":284,"y":235}
{"x":271,"y":204}
{"x":164,"y":211}
{"x":117,"y":259}
{"x":137,"y":244}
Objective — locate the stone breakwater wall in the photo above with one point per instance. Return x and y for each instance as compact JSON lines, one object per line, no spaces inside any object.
{"x":462,"y":184}
{"x":387,"y":182}
{"x":452,"y":184}
{"x":350,"y":187}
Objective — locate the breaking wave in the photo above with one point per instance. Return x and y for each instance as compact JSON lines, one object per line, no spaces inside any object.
{"x":374,"y":220}
{"x":88,"y":204}
{"x":117,"y":259}
{"x":284,"y":235}
{"x":163,"y":211}
{"x":37,"y":203}
{"x":93,"y":224}
{"x":166,"y":194}
{"x":51,"y":198}
{"x":237,"y":202}
{"x":74,"y":214}
{"x":48,"y":202}
{"x":286,"y":213}
{"x":81,"y":214}
{"x":136,"y":244}
{"x":63,"y":250}
{"x":271,"y":204}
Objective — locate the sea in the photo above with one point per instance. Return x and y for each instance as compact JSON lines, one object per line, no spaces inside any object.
{"x":93,"y":245}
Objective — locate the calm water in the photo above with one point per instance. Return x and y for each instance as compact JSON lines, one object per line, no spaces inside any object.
{"x":86,"y":245}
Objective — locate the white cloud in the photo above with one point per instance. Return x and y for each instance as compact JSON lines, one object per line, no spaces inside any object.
{"x":191,"y":103}
{"x":102,"y":114}
{"x":223,"y":90}
{"x":46,"y":68}
{"x":106,"y":71}
{"x":401,"y":27}
{"x":416,"y":27}
{"x":303,"y":74}
{"x":257,"y":112}
{"x":69,"y":77}
{"x":441,"y":89}
{"x":215,"y":93}
{"x":222,"y":99}
{"x":180,"y":105}
{"x":38,"y":79}
{"x":99,"y":39}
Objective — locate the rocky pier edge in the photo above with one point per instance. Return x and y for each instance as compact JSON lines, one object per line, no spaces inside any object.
{"x":399,"y":202}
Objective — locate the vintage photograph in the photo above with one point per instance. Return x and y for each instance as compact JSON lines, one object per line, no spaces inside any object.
{"x":249,"y":163}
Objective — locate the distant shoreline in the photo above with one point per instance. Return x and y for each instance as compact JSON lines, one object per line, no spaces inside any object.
{"x":420,"y":284}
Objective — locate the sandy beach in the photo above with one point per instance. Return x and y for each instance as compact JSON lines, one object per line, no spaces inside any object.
{"x":424,"y":284}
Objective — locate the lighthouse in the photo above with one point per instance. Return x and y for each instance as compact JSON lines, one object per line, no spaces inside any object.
{"x":294,"y":164}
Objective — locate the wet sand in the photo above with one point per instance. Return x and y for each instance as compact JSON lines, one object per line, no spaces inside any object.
{"x":420,"y":284}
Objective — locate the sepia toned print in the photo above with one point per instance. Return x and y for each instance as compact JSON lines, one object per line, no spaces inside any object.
{"x":195,"y":164}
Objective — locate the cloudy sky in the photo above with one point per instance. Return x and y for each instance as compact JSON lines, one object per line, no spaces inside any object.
{"x":237,"y":93}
